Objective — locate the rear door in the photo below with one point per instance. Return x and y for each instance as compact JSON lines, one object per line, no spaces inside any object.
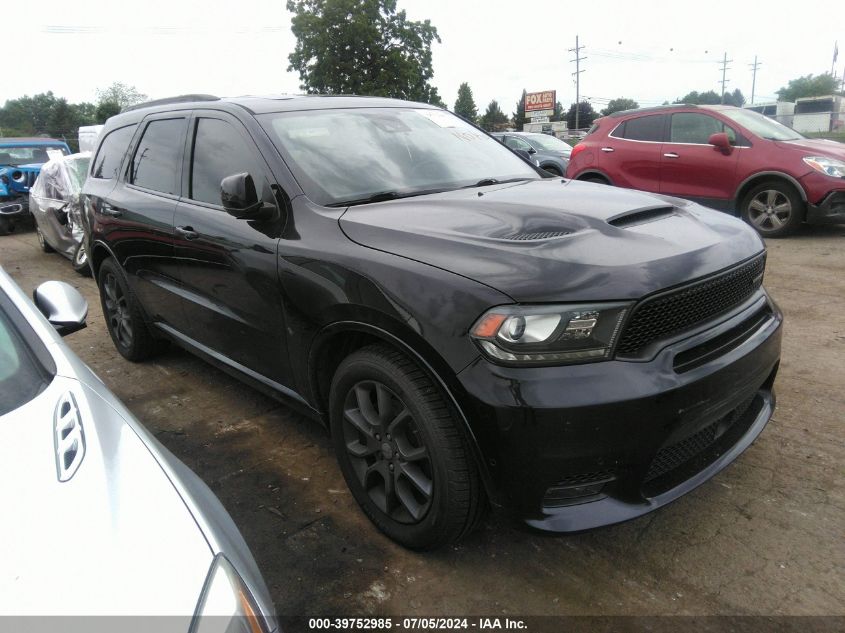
{"x":630,"y":154}
{"x":690,"y":166}
{"x":227,"y":266}
{"x":132,"y":197}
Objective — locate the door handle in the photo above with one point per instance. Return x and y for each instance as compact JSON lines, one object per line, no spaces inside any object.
{"x":607,"y":149}
{"x":671,"y":155}
{"x":110,"y":210}
{"x":187,"y":232}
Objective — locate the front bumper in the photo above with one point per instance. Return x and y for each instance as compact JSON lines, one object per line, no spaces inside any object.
{"x":577,"y":447}
{"x":831,"y":209}
{"x":14,"y":208}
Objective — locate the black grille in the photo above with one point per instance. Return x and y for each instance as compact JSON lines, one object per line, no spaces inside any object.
{"x":671,"y":457}
{"x":30,"y":178}
{"x":686,"y":307}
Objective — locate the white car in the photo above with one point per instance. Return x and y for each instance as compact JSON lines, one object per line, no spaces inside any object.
{"x":98,"y":517}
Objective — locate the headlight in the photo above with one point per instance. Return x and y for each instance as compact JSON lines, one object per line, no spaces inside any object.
{"x":827,"y":166}
{"x":550,"y":335}
{"x":226,"y":605}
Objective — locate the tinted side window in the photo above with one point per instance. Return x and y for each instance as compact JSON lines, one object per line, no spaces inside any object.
{"x":111,"y":152}
{"x":219,"y":151}
{"x":516,"y":143}
{"x":644,"y":128}
{"x":159,"y":155}
{"x":688,"y":127}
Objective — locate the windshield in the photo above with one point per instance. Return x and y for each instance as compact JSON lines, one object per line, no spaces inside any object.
{"x":762,"y":126}
{"x":549,"y":143}
{"x":346,"y":155}
{"x":27,"y":154}
{"x":20,"y":376}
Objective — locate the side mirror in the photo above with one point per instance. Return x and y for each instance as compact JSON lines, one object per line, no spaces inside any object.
{"x":531,"y":150}
{"x":239,"y":198}
{"x":721,"y":142}
{"x":63,"y":306}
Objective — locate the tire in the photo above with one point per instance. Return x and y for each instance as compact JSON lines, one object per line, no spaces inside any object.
{"x":553,"y":170}
{"x":43,"y":242}
{"x":6,"y":226}
{"x":80,"y":260}
{"x":391,"y":427}
{"x":124,"y":318}
{"x":773,"y":208}
{"x":596,"y":179}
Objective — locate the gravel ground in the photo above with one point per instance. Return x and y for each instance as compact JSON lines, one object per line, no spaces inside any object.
{"x":763,"y":537}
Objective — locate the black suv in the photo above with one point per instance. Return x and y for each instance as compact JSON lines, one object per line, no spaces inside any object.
{"x":471,"y":330}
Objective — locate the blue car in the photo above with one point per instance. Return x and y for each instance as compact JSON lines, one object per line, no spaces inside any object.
{"x":20,"y":163}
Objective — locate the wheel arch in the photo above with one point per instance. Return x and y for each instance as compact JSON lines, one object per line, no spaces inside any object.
{"x":336,"y":341}
{"x":755,"y":179}
{"x":99,"y":253}
{"x":592,"y":173}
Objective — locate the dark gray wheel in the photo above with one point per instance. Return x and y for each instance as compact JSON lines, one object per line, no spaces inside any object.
{"x":80,"y":260}
{"x":124,"y":319}
{"x":403,"y":452}
{"x":42,"y":242}
{"x":6,"y":226}
{"x":773,"y":208}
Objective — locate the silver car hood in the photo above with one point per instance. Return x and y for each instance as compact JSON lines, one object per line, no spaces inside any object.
{"x":115,"y":538}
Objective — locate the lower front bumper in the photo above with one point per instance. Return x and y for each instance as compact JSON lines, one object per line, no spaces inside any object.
{"x":577,"y":447}
{"x":14,"y":208}
{"x":831,"y":210}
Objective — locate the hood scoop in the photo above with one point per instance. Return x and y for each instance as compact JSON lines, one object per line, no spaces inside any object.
{"x":641,"y":216}
{"x":535,"y":235}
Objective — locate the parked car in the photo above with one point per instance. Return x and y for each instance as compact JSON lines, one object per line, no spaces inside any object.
{"x":102,"y":519}
{"x":721,"y":156}
{"x":56,"y":206}
{"x":468,"y":329}
{"x":549,"y":152}
{"x":20,"y":162}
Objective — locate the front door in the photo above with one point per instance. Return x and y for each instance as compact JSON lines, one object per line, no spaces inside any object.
{"x":228,"y":273}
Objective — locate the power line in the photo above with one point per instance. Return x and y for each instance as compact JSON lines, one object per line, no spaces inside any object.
{"x":577,"y":73}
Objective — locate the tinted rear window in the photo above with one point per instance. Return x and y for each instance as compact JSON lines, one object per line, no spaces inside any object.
{"x":645,"y":128}
{"x":158,"y":157}
{"x":21,"y":376}
{"x":111,"y":152}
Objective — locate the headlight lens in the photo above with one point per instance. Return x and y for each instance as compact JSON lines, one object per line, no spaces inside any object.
{"x":226,"y":605}
{"x":550,"y":335}
{"x":827,"y":166}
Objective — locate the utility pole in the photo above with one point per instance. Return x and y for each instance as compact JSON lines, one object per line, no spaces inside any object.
{"x":754,"y":68}
{"x":725,"y":62}
{"x":577,"y":73}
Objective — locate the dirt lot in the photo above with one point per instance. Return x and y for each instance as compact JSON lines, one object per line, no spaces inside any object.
{"x":764,"y":537}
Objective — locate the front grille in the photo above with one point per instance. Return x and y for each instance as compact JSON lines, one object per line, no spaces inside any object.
{"x":30,"y":178}
{"x":577,"y":488}
{"x":671,"y":457}
{"x":681,"y":309}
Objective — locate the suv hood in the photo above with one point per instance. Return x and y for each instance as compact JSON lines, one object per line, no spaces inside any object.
{"x":557,"y":240}
{"x":816,"y":146}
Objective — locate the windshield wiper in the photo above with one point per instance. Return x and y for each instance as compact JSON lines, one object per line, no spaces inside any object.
{"x":383,"y":196}
{"x":484,"y":182}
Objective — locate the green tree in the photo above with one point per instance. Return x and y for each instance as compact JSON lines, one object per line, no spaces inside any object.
{"x":519,"y":118}
{"x":465,"y":103}
{"x":493,"y":118}
{"x":808,"y":86}
{"x":105,"y":110}
{"x":700,"y":98}
{"x":735,"y":98}
{"x":617,"y":105}
{"x":586,"y":115}
{"x":121,"y":94}
{"x":363,"y":47}
{"x":559,"y":114}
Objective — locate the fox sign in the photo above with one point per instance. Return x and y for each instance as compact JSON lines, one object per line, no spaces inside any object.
{"x":539,"y":101}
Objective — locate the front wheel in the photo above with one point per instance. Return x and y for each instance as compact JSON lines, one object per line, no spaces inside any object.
{"x":773,"y":208}
{"x":6,"y":226}
{"x":80,"y":260}
{"x":42,"y":242}
{"x":403,"y":452}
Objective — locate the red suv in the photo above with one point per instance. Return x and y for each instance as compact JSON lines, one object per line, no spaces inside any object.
{"x":724,"y":157}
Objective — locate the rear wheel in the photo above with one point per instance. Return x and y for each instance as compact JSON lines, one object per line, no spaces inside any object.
{"x":124,"y":318}
{"x":403,"y":452}
{"x":596,"y":179}
{"x":43,"y":242}
{"x":773,"y":208}
{"x":6,"y":226}
{"x":80,"y":260}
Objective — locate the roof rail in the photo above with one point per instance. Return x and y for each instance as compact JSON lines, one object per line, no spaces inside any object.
{"x":652,"y":109}
{"x":169,"y":100}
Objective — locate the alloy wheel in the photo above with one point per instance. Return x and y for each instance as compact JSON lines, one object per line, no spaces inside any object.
{"x":117,"y":311}
{"x":769,"y":210}
{"x":81,"y":256}
{"x":386,"y":452}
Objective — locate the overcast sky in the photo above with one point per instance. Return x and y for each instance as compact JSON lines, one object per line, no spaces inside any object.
{"x":649,"y":51}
